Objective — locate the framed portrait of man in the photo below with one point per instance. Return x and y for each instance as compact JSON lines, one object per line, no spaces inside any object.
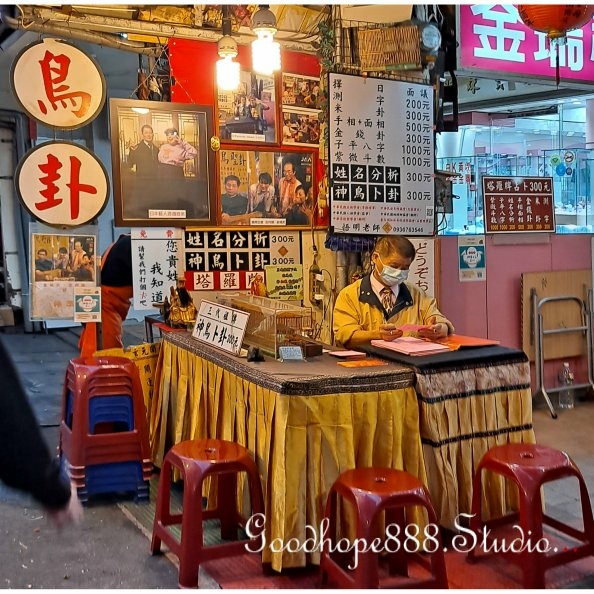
{"x":163,"y":166}
{"x":266,"y":187}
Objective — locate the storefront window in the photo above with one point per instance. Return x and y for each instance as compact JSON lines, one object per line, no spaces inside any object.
{"x":546,"y":145}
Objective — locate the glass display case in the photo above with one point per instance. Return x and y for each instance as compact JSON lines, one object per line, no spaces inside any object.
{"x":273,"y":323}
{"x":572,"y":172}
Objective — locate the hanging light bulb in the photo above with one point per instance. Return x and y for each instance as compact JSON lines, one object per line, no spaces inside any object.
{"x":266,"y":57}
{"x":227,"y":69}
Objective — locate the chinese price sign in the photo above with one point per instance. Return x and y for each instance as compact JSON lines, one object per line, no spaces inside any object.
{"x":493,"y":38}
{"x":220,"y":326}
{"x":156,"y":264}
{"x":57,"y":84}
{"x":513,"y":204}
{"x":218,"y":260}
{"x":62,"y":184}
{"x":381,"y":156}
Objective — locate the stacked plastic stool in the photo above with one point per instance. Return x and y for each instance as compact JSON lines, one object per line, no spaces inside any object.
{"x":104,"y":439}
{"x":196,"y":461}
{"x":529,"y":467}
{"x":379,"y":498}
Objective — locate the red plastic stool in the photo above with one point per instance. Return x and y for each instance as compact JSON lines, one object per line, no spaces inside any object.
{"x":197,"y":459}
{"x":371,"y":491}
{"x":530,"y":466}
{"x":88,"y":378}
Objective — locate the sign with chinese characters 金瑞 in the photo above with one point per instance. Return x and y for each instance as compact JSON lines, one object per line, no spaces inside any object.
{"x":218,"y":260}
{"x":518,"y":204}
{"x":381,"y":156}
{"x":62,"y":184}
{"x":495,"y":43}
{"x":57,"y":84}
{"x":156,"y":264}
{"x":220,"y":326}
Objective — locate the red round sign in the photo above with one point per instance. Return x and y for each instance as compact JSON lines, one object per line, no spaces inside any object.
{"x":57,"y":84}
{"x":62,"y":184}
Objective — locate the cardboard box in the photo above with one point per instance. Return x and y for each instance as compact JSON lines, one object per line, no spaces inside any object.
{"x":6,"y":315}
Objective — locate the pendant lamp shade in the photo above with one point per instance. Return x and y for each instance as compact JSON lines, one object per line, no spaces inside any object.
{"x":555,"y":20}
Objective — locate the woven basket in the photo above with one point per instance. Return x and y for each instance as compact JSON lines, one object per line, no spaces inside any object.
{"x":394,"y":48}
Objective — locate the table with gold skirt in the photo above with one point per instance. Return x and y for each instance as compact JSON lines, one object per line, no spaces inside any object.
{"x":305,"y":422}
{"x":469,"y":401}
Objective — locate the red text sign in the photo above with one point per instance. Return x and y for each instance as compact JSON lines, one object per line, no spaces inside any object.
{"x":62,"y":184}
{"x":58,"y":84}
{"x":523,"y":204}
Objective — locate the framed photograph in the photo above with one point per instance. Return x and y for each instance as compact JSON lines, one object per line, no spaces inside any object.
{"x":301,"y":127}
{"x":248,"y":114}
{"x":266,"y":187}
{"x":60,"y":262}
{"x":163,"y":167}
{"x":301,"y":91}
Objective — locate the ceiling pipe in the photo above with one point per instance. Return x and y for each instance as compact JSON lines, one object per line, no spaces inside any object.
{"x":117,"y":26}
{"x":88,"y":36}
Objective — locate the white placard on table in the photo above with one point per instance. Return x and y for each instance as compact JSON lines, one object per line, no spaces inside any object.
{"x":220,"y":326}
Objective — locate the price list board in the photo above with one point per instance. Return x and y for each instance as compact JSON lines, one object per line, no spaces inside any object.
{"x":219,"y":260}
{"x":518,"y":204}
{"x":381,"y":148}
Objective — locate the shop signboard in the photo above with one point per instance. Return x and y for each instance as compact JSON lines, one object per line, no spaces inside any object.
{"x":495,"y":43}
{"x":381,"y":157}
{"x":57,"y":84}
{"x":518,"y":204}
{"x":62,"y":184}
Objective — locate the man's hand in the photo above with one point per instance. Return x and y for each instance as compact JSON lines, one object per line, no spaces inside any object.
{"x":389,"y":332}
{"x":434,"y":331}
{"x":72,"y":513}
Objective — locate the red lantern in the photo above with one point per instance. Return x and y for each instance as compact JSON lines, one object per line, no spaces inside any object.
{"x":555,"y":20}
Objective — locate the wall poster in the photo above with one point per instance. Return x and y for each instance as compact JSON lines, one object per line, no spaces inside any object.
{"x":381,"y":157}
{"x":62,"y":261}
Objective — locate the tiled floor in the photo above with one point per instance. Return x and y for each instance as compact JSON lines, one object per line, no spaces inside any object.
{"x":573,"y":432}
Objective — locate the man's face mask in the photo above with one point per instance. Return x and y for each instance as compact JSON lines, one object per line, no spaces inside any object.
{"x":392,"y":276}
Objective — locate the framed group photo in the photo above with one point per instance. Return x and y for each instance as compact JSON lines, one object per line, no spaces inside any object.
{"x":163,"y":167}
{"x":301,"y":127}
{"x":266,"y":187}
{"x":248,"y":114}
{"x":301,"y":92}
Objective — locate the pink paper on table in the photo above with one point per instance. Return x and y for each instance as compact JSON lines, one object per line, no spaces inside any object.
{"x":412,"y":327}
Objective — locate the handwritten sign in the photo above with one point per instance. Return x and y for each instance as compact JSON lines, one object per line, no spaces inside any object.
{"x":284,"y":282}
{"x":156,"y":264}
{"x":220,"y":326}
